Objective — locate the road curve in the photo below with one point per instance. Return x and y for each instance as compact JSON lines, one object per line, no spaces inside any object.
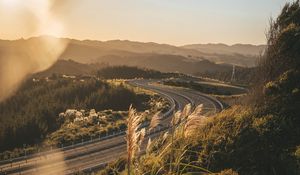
{"x":97,"y":153}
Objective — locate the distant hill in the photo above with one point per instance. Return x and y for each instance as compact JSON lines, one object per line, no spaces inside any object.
{"x":70,"y":67}
{"x":162,"y":57}
{"x":242,"y":49}
{"x":164,"y":63}
{"x":239,"y":54}
{"x":87,"y":51}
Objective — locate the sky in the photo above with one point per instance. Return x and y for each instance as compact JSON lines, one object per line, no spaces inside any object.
{"x":176,"y":22}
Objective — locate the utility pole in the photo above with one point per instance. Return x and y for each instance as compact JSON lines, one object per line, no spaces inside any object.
{"x":233,"y":74}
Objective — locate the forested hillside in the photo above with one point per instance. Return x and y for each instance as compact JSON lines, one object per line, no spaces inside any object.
{"x":127,"y":72}
{"x":32,"y":113}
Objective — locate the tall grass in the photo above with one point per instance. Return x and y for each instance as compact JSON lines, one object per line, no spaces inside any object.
{"x":155,"y":121}
{"x":177,"y":118}
{"x":184,"y":123}
{"x":148,"y":146}
{"x":194,"y":121}
{"x":134,"y":136}
{"x":169,"y":153}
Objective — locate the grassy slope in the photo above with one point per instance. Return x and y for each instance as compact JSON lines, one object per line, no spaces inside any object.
{"x":260,"y":137}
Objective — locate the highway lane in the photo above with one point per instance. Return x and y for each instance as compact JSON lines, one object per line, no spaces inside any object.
{"x":100,"y":152}
{"x":211,"y":104}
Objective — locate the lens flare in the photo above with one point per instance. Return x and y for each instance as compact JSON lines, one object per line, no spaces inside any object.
{"x":35,"y":54}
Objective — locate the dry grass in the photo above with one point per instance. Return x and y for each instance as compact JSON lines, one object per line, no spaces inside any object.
{"x":134,"y":136}
{"x":148,"y":146}
{"x":176,"y":118}
{"x":155,"y":121}
{"x":187,"y":110}
{"x":194,"y":121}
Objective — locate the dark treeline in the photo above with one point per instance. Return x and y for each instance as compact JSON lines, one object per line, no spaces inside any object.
{"x":243,"y":76}
{"x":127,"y":72}
{"x":33,"y":111}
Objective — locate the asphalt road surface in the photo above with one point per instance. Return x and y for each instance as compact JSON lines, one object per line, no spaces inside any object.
{"x":96,"y":154}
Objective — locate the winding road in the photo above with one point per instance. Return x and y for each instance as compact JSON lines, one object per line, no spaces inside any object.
{"x":97,"y":153}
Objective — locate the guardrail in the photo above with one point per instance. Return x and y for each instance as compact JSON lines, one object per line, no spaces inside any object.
{"x":18,"y":167}
{"x":101,"y":165}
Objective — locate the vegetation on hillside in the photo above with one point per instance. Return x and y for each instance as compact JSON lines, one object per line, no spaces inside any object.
{"x":81,"y":125}
{"x":32,"y":113}
{"x":260,"y":137}
{"x":127,"y":72}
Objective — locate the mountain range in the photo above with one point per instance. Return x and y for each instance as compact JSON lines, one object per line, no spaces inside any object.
{"x":188,"y":59}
